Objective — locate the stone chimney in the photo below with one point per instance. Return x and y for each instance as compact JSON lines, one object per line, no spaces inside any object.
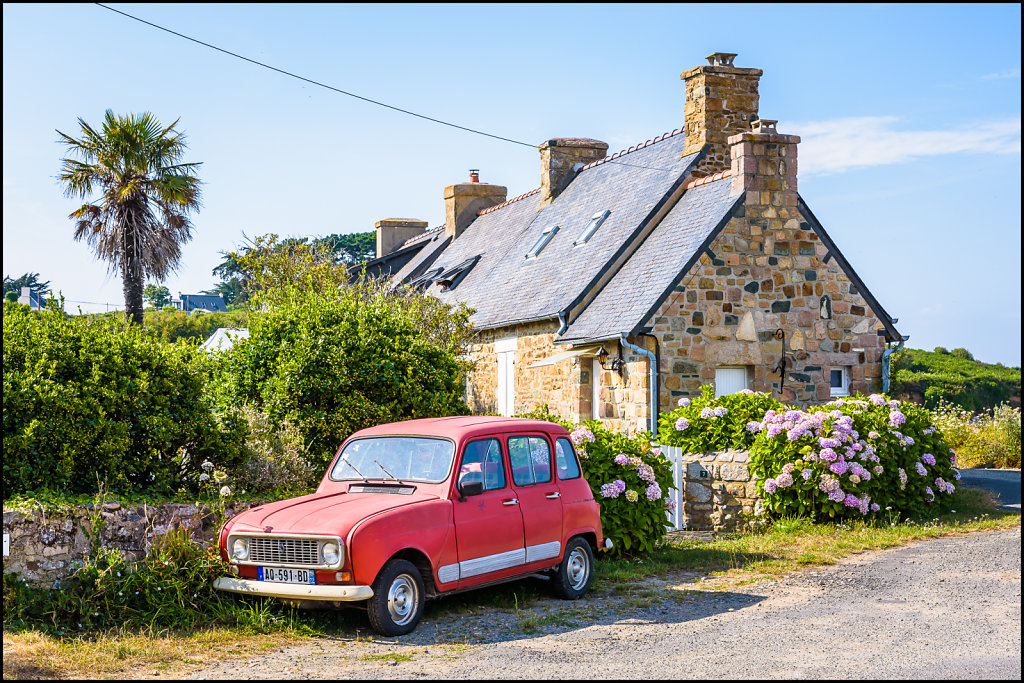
{"x":393,"y":231}
{"x":561,"y":159}
{"x":764,"y":166}
{"x":721,"y":100}
{"x":461,"y":202}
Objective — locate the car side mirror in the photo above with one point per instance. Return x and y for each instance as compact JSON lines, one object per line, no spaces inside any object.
{"x":470,"y":488}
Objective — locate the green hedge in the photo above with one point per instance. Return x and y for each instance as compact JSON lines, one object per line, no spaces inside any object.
{"x":91,"y":400}
{"x":953,"y":377}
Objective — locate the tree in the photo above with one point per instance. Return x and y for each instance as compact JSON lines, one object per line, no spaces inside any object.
{"x":353,"y":248}
{"x":157,"y":297}
{"x":30,"y":280}
{"x":141,"y":218}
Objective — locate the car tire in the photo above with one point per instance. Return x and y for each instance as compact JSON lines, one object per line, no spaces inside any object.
{"x":398,"y":597}
{"x":575,"y":572}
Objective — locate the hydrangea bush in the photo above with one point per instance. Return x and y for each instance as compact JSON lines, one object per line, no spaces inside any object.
{"x":629,"y":478}
{"x":713,"y":424}
{"x":850,"y":458}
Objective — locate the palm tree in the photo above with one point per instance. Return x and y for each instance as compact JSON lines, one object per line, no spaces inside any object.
{"x":141,"y":218}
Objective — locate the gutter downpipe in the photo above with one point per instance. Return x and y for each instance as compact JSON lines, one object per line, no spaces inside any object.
{"x":885,"y":364}
{"x":563,"y":323}
{"x":653,"y":365}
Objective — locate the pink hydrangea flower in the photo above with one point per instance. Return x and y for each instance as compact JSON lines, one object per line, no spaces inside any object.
{"x":873,"y":435}
{"x":903,"y":478}
{"x":621,"y":459}
{"x":581,"y":434}
{"x":670,"y":505}
{"x":681,"y":424}
{"x":828,"y":455}
{"x":896,"y":418}
{"x":683,"y":402}
{"x":653,"y":492}
{"x":783,"y":480}
{"x":770,"y":486}
{"x":836,"y":496}
{"x":877,"y":399}
{"x":878,"y":469}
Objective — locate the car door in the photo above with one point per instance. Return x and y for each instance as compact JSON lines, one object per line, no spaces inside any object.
{"x":488,"y":527}
{"x":538,"y":495}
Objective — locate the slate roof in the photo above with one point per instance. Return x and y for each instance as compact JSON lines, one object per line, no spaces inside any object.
{"x":207,"y":302}
{"x":432,"y":243}
{"x":650,"y":274}
{"x":505,"y":287}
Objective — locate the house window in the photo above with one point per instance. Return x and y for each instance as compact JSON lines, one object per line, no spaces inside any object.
{"x":839,"y":381}
{"x":592,"y":226}
{"x":730,"y":380}
{"x":505,"y":349}
{"x":542,"y":242}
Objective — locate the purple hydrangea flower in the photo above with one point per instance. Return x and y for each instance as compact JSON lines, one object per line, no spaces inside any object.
{"x":836,"y":495}
{"x":829,"y":443}
{"x":783,"y":480}
{"x":653,"y":492}
{"x":896,"y":418}
{"x":770,"y":486}
{"x":931,"y":494}
{"x":828,"y":455}
{"x":920,"y":469}
{"x":903,"y":478}
{"x":928,"y":459}
{"x":720,"y":411}
{"x":681,"y":424}
{"x":610,"y":490}
{"x":877,"y":399}
{"x":873,"y":435}
{"x":620,"y":485}
{"x":621,"y":459}
{"x":839,"y":467}
{"x":851,"y":501}
{"x":806,"y":473}
{"x":875,"y":507}
{"x":683,"y":402}
{"x":753,"y":426}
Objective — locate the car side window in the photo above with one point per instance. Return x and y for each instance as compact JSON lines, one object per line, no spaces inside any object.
{"x":565,"y":460}
{"x":482,"y":461}
{"x":530,"y":457}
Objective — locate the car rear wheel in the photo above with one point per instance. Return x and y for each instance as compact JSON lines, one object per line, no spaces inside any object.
{"x":398,"y":597}
{"x":574,"y":574}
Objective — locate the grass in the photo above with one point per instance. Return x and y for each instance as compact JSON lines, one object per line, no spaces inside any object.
{"x":728,"y":561}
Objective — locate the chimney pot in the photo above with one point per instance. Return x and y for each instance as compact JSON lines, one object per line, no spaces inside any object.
{"x":721,"y":58}
{"x":765,"y":125}
{"x":474,"y":175}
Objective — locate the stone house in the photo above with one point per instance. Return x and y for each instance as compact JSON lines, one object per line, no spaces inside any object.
{"x":625,"y":282}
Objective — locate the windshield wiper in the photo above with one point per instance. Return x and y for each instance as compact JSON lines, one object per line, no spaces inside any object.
{"x":388,"y":473}
{"x":349,"y":463}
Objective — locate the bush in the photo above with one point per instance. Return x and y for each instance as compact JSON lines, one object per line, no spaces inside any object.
{"x":962,"y":353}
{"x":91,"y":400}
{"x":630,"y":480}
{"x":851,"y":457}
{"x":941,"y":349}
{"x":934,"y":377}
{"x":172,"y":325}
{"x":278,"y":459}
{"x":989,"y":439}
{"x":171,"y":588}
{"x":337,"y":361}
{"x":714,"y":424}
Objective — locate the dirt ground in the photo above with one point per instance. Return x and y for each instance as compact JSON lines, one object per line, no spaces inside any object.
{"x":948,"y":608}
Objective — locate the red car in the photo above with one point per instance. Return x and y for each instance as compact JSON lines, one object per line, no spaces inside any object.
{"x":420,"y":509}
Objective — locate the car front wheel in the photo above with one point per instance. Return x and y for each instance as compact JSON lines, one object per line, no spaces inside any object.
{"x":397,"y":602}
{"x":574,"y":574}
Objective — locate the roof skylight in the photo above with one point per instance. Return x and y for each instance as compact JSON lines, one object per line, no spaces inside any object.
{"x":542,"y":242}
{"x":595,"y":222}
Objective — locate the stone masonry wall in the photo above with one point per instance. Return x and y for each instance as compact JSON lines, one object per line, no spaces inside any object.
{"x":564,"y":387}
{"x":48,"y":547}
{"x":717,"y":490}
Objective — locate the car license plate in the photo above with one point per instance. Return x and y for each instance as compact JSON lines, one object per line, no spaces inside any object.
{"x":278,"y":575}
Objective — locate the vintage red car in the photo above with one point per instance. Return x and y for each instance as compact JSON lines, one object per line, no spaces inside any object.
{"x":421,"y":509}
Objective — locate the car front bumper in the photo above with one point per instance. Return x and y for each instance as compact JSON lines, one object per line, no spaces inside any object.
{"x":293,"y":591}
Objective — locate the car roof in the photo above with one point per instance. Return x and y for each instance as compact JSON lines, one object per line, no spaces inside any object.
{"x":461,"y":427}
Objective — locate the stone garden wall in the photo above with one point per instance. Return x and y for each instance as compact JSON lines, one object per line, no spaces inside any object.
{"x":714,"y":490}
{"x":47,"y":547}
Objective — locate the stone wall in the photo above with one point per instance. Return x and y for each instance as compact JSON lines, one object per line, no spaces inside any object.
{"x":717,"y":490}
{"x":48,"y":547}
{"x":565,"y":387}
{"x":770,"y":270}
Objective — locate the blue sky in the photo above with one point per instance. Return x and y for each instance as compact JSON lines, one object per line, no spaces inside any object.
{"x":909,"y":114}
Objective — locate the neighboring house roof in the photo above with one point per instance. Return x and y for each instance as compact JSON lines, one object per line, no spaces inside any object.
{"x":505,"y":287}
{"x":205,"y":302}
{"x":649,"y":276}
{"x":430,"y":244}
{"x":224,"y":338}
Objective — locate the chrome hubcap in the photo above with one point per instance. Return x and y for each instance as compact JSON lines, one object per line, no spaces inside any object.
{"x":403,"y":598}
{"x":578,"y":568}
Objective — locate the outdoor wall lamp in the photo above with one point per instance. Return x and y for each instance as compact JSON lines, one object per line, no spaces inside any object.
{"x":615,"y":365}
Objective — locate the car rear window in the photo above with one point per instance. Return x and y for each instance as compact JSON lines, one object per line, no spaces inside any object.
{"x":565,"y":460}
{"x":530,"y":457}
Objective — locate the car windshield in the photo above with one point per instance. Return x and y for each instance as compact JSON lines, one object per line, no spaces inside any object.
{"x":413,"y":458}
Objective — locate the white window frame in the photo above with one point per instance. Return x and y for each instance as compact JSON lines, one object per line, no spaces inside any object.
{"x":595,"y":387}
{"x":730,"y":386}
{"x":595,"y":222}
{"x":843,"y":390}
{"x":542,"y":241}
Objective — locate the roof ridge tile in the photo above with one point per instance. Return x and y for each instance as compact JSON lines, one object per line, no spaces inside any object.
{"x":696,"y":182}
{"x":489,"y":209}
{"x":623,"y":152}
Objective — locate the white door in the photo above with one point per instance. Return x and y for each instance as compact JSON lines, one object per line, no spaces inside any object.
{"x":506,"y":352}
{"x":729,"y":380}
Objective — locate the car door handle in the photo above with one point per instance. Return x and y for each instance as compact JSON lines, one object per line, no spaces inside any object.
{"x":554,"y":495}
{"x":510,"y":501}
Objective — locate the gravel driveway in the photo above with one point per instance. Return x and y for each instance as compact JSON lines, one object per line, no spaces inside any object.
{"x":948,"y":608}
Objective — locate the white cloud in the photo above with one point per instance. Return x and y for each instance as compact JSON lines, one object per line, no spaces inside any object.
{"x":842,"y":144}
{"x":1010,"y":73}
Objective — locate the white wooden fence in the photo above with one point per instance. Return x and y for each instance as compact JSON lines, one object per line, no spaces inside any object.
{"x":676,"y":493}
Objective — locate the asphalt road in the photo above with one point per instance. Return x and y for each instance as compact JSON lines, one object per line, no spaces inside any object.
{"x":1003,"y":483}
{"x":948,"y":608}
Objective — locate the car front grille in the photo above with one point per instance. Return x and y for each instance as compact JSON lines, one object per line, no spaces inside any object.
{"x":284,"y":551}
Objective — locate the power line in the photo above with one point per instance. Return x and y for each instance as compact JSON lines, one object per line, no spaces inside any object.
{"x":351,"y":94}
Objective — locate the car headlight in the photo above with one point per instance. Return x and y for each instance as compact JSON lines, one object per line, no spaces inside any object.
{"x":331,"y":553}
{"x":240,"y":549}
